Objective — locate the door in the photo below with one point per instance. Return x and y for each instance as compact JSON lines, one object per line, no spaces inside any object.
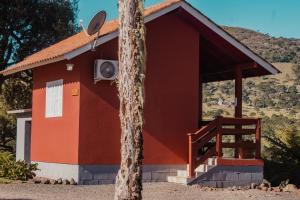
{"x":27,"y":141}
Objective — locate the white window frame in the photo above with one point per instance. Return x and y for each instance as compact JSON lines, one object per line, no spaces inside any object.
{"x":54,"y":99}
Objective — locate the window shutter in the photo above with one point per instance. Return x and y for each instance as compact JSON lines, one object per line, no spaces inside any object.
{"x":54,"y":98}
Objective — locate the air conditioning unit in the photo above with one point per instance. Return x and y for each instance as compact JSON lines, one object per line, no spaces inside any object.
{"x":106,"y":70}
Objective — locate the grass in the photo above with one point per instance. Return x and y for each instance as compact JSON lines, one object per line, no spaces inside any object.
{"x":5,"y":181}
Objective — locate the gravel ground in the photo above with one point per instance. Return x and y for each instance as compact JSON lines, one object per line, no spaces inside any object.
{"x":153,"y":191}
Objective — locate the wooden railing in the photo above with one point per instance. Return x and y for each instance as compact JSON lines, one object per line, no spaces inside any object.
{"x":207,"y":141}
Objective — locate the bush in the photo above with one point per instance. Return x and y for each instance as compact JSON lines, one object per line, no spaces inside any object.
{"x":281,"y":149}
{"x":15,"y":170}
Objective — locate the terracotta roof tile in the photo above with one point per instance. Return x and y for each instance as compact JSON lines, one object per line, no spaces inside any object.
{"x":57,"y":51}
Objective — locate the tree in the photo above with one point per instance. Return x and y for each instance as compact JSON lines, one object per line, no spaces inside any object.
{"x":28,"y":26}
{"x":131,"y":94}
{"x":25,"y":28}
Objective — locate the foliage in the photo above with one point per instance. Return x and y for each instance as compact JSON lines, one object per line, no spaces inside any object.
{"x":25,"y":28}
{"x":16,"y":91}
{"x":28,"y":26}
{"x":281,"y":149}
{"x":7,"y":129}
{"x":5,"y":181}
{"x":271,"y":48}
{"x":15,"y":170}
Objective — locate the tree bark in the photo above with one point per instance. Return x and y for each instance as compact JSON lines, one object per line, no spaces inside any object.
{"x":132,"y":56}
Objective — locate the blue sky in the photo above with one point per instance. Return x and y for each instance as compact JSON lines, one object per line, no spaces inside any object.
{"x":275,"y":17}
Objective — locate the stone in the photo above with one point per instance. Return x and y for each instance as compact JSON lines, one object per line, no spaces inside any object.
{"x":72,"y":182}
{"x":234,"y":188}
{"x":264,"y":189}
{"x":277,"y":189}
{"x":53,"y":182}
{"x":246,"y":188}
{"x":37,"y":181}
{"x":266,"y":183}
{"x":45,"y":181}
{"x":66,"y":182}
{"x":253,"y":186}
{"x":59,"y":181}
{"x":290,"y":188}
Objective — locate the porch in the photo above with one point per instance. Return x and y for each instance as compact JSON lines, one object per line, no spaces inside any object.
{"x":207,"y":163}
{"x":209,"y":141}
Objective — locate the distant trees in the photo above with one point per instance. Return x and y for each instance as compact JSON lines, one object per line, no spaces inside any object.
{"x":25,"y":28}
{"x":28,"y":26}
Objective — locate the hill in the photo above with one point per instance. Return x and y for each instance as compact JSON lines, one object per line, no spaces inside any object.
{"x":273,"y":49}
{"x":262,"y":96}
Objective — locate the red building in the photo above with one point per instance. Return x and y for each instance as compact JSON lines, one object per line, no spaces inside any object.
{"x":75,"y":129}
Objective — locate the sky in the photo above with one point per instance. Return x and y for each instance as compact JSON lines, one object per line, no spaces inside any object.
{"x":278,"y":18}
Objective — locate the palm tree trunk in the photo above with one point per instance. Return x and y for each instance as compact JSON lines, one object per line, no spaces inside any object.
{"x":132,"y":56}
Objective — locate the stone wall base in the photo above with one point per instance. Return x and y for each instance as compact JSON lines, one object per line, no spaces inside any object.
{"x":102,"y":174}
{"x":228,"y":176}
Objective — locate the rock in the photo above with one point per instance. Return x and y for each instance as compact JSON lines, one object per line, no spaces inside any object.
{"x":253,"y":186}
{"x":290,"y":188}
{"x":36,"y":181}
{"x":234,"y":188}
{"x":264,"y":189}
{"x":246,"y":188}
{"x":277,"y":189}
{"x":66,"y":182}
{"x":73,"y":182}
{"x":266,"y":183}
{"x":59,"y":181}
{"x":53,"y":182}
{"x":270,"y":189}
{"x":45,"y":181}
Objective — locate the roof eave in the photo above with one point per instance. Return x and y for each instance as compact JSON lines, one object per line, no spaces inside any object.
{"x":187,"y":7}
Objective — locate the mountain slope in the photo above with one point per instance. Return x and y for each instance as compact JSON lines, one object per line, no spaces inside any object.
{"x":262,"y":96}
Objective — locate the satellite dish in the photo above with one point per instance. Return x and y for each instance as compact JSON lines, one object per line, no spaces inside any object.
{"x":96,"y":23}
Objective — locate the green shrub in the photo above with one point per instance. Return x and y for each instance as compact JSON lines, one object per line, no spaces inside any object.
{"x":15,"y":170}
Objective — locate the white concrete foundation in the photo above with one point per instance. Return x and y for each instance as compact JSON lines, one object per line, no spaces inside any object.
{"x":57,"y":170}
{"x":102,"y":174}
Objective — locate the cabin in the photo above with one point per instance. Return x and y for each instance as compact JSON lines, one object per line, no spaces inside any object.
{"x":74,"y":124}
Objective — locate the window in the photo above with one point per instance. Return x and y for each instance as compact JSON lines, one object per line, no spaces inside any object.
{"x":54,"y":98}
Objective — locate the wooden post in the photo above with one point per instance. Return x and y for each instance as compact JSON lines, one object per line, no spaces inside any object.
{"x":258,"y":139}
{"x":238,"y":93}
{"x":191,"y":157}
{"x":219,"y":138}
{"x":239,"y":104}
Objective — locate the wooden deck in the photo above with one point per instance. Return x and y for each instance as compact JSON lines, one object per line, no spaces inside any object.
{"x":208,"y":142}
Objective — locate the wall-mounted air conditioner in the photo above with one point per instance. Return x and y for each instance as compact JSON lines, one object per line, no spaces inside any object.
{"x":106,"y":70}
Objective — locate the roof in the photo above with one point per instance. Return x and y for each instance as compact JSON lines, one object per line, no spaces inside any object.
{"x":81,"y":42}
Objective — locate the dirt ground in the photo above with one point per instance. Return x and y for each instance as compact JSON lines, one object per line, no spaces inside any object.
{"x":153,"y":191}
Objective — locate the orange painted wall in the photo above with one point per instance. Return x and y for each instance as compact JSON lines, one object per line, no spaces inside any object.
{"x":89,"y":133}
{"x":55,"y":139}
{"x":172,"y":101}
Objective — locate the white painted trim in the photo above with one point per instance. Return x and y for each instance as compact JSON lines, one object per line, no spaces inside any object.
{"x":19,"y":111}
{"x":57,"y":170}
{"x":162,"y":12}
{"x":31,"y":66}
{"x":88,"y":46}
{"x":195,"y":13}
{"x":187,"y":7}
{"x":227,"y":37}
{"x":115,"y":34}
